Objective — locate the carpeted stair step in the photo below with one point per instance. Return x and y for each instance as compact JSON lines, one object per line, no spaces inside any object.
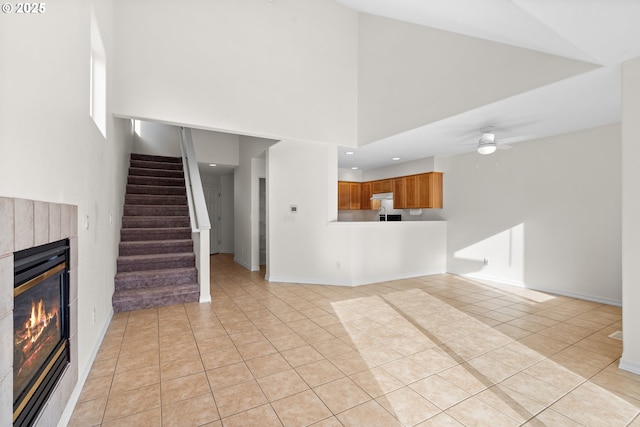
{"x":149,"y":247}
{"x":155,"y":221}
{"x":156,"y":158}
{"x":129,"y":234}
{"x":155,"y":180}
{"x":154,"y":278}
{"x":155,"y":261}
{"x":154,"y":199}
{"x":155,"y":165}
{"x":134,"y":171}
{"x":161,"y":190}
{"x":137,"y":299}
{"x":156,"y":210}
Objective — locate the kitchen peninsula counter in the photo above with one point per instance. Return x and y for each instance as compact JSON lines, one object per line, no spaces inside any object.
{"x":381,"y":251}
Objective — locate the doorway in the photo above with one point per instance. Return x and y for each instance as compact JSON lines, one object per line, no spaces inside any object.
{"x":212,"y":196}
{"x":262,"y":237}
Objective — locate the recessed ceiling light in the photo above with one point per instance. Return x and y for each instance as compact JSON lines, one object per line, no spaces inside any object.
{"x":354,"y":168}
{"x":395,"y":158}
{"x":212,"y":164}
{"x":348,"y":153}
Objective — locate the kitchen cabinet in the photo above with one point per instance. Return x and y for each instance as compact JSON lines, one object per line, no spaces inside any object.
{"x":418,"y":191}
{"x":409,"y":192}
{"x":344,"y":196}
{"x":382,"y":186}
{"x":430,"y":193}
{"x":399,"y":193}
{"x":365,"y":201}
{"x":355,"y":195}
{"x":349,"y":195}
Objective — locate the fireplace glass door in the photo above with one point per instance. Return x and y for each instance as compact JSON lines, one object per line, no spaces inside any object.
{"x":40,"y":326}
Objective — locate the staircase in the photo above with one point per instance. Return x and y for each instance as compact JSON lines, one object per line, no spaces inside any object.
{"x":156,"y":264}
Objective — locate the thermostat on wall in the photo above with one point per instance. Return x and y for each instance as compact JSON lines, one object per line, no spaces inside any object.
{"x":294,"y":209}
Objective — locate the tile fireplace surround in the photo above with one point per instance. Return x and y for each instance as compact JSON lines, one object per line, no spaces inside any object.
{"x":25,"y":224}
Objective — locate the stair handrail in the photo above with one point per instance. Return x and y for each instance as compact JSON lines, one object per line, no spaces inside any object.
{"x":187,"y":182}
{"x":198,"y":214}
{"x":195,"y":193}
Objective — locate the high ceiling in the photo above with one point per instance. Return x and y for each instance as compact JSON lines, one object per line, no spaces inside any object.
{"x":602,"y":32}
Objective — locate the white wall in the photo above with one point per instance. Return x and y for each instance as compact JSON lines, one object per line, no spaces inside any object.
{"x":245,"y":193}
{"x":350,"y":175}
{"x":286,"y":68}
{"x":410,"y":75}
{"x":396,"y":250}
{"x":163,"y":139}
{"x":51,"y":150}
{"x":630,"y":216}
{"x":400,"y":169}
{"x":216,"y":147}
{"x":157,"y":139}
{"x":310,"y":247}
{"x":300,"y":246}
{"x":545,"y":214}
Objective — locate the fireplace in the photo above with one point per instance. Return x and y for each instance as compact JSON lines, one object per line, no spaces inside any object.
{"x":40,"y":326}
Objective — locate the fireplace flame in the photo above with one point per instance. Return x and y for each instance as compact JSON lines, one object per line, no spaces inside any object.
{"x":37,"y":323}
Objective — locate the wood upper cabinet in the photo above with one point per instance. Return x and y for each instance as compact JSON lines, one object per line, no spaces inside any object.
{"x":409,"y":192}
{"x":430,"y":193}
{"x":349,"y":195}
{"x":365,"y":200}
{"x":355,"y":195}
{"x":399,"y":193}
{"x":382,"y":186}
{"x":418,"y":191}
{"x":344,"y":195}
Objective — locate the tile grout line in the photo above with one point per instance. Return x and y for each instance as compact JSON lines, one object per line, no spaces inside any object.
{"x":252,"y":296}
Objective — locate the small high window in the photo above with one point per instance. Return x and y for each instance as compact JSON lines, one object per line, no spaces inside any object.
{"x":98,"y":79}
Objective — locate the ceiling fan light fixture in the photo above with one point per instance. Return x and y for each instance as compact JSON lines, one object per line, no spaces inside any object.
{"x":486,"y":147}
{"x":488,"y":137}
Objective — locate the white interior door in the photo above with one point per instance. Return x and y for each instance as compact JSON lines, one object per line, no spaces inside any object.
{"x":212,"y":197}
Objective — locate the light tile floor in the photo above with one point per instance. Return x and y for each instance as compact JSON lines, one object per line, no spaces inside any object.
{"x":431,"y":351}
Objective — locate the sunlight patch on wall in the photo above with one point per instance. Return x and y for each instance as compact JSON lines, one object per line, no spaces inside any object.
{"x":500,"y":255}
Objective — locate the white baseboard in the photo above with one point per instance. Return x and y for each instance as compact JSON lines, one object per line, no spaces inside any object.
{"x":349,"y":283}
{"x":500,"y":280}
{"x":627,"y":365}
{"x":545,"y":290}
{"x":306,"y":281}
{"x":242,"y":263}
{"x":82,"y":377}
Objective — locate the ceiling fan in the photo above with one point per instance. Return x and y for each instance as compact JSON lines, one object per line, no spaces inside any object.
{"x":488,"y":143}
